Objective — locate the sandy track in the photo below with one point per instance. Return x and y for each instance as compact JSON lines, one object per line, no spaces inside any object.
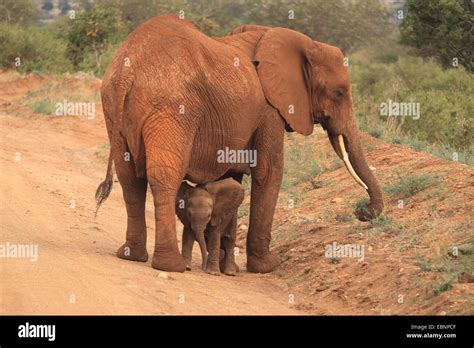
{"x":63,"y":160}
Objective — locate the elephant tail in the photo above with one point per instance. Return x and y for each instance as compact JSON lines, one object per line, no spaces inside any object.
{"x":105,"y":187}
{"x":103,"y":191}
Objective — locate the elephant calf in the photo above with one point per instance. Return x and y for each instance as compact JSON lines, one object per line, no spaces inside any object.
{"x":209,"y":213}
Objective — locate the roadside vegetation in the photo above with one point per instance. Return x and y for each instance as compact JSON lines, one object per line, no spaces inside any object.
{"x":412,"y":58}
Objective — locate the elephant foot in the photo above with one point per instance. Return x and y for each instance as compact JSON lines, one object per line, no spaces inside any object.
{"x":168,"y":262}
{"x":188,"y":264}
{"x":132,"y":253}
{"x":222,"y":260}
{"x":222,"y":265}
{"x":213,"y":269}
{"x":231,"y":270}
{"x":264,"y":264}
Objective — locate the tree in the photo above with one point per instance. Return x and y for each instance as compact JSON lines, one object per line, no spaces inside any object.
{"x":345,"y":24}
{"x":47,"y":6}
{"x":23,"y":12}
{"x":441,"y":29}
{"x":64,"y":6}
{"x":92,"y":31}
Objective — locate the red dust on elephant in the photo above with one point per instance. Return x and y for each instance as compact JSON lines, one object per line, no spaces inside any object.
{"x":174,"y":97}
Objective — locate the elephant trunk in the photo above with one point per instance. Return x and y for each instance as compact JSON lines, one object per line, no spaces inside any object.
{"x":357,"y":166}
{"x":202,"y":245}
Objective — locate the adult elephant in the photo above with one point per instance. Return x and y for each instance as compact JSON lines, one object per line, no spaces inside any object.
{"x":173,"y":97}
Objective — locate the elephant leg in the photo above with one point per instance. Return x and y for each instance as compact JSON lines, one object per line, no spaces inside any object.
{"x":228,"y":241}
{"x":187,"y":246}
{"x":222,"y":257}
{"x":214,"y":251}
{"x":134,"y":195}
{"x":167,"y":156}
{"x":266,"y":181}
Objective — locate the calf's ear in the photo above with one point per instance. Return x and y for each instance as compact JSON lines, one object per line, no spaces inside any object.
{"x":181,"y":201}
{"x":228,"y":195}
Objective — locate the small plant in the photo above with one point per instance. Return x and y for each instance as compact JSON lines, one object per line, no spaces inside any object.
{"x":369,"y":146}
{"x":384,"y":223}
{"x":375,"y":133}
{"x":354,"y":229}
{"x":410,"y":185}
{"x":243,"y":211}
{"x":361,"y":207}
{"x":411,"y":243}
{"x":336,"y":164}
{"x":396,"y":141}
{"x":247,"y":183}
{"x":43,"y":106}
{"x":317,"y":184}
{"x":425,"y":265}
{"x":327,"y":214}
{"x":300,"y":165}
{"x":444,"y":285}
{"x":344,"y":218}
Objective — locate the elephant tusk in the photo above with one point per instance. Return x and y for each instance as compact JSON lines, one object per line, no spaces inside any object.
{"x":190,"y":183}
{"x":345,"y":158}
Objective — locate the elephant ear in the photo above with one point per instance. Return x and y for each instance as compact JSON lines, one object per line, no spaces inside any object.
{"x":182,"y":200}
{"x":284,"y":69}
{"x":228,"y":194}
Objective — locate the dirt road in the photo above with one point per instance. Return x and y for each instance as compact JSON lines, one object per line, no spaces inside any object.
{"x":50,"y":168}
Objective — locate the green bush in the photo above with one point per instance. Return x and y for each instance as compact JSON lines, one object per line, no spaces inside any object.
{"x":91,"y":35}
{"x":441,"y":29}
{"x":411,"y":184}
{"x":446,"y":110}
{"x":43,"y":106}
{"x":300,"y":165}
{"x":22,"y":12}
{"x":88,"y":62}
{"x":361,"y":207}
{"x":38,"y":49}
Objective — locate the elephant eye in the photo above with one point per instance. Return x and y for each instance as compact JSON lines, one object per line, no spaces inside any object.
{"x":340,"y":92}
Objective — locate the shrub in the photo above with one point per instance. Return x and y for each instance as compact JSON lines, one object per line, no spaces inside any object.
{"x":300,"y":165}
{"x":440,"y":28}
{"x":384,"y":223}
{"x":22,"y":12}
{"x":38,"y":49}
{"x":43,"y":106}
{"x":91,"y":34}
{"x":446,"y":110}
{"x":410,"y":185}
{"x":361,"y":207}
